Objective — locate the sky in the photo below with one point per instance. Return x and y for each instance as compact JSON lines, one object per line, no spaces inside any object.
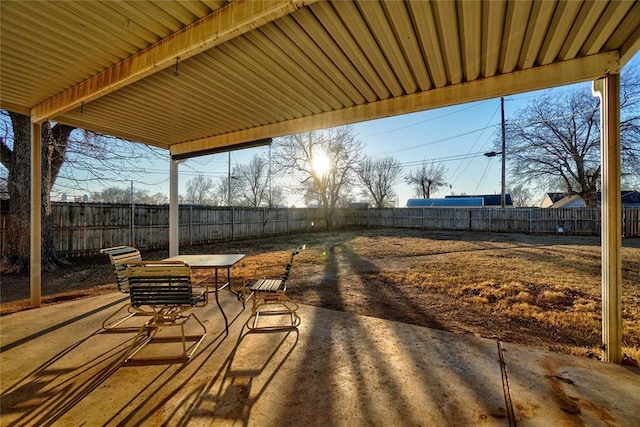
{"x":454,"y":136}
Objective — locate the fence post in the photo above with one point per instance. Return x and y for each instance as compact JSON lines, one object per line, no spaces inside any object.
{"x":133,"y":220}
{"x":490,"y":223}
{"x":190,"y":225}
{"x":232,"y":222}
{"x":455,"y":216}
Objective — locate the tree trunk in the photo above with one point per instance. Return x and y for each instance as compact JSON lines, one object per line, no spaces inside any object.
{"x":326,"y":212}
{"x":17,"y":257}
{"x":590,"y":197}
{"x":328,"y":218}
{"x":19,"y":218}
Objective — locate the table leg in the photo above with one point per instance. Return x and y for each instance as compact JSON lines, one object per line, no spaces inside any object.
{"x":237,"y":294}
{"x":226,"y":321}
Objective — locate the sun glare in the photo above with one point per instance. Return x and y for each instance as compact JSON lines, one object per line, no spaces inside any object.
{"x":320,"y":163}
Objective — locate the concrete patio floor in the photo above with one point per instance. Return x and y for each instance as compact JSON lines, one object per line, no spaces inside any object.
{"x":59,"y":368}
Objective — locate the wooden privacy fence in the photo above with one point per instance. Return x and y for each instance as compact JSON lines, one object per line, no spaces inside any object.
{"x":575,"y":221}
{"x":578,"y":221}
{"x":85,"y":228}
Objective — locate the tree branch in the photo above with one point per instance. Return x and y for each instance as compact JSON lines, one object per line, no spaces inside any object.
{"x":6,"y":155}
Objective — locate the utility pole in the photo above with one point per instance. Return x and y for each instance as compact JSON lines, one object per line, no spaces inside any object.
{"x":229,"y":182}
{"x":502,"y":197}
{"x":270,"y":201}
{"x":503,"y":153}
{"x":133,"y":217}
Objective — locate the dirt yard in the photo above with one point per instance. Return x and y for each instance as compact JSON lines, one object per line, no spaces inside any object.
{"x":542,"y":291}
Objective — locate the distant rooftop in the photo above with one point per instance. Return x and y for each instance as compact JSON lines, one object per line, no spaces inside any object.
{"x":629,"y":197}
{"x":489,"y":199}
{"x":476,"y":202}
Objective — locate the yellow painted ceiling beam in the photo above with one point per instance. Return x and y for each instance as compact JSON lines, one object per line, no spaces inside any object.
{"x":224,"y":24}
{"x":14,"y":107}
{"x":630,"y":49}
{"x":547,"y":76}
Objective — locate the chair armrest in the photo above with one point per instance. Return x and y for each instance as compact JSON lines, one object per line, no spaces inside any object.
{"x":200,"y":299}
{"x":237,"y":283}
{"x":201,"y":296}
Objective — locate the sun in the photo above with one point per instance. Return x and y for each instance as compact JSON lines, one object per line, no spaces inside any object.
{"x":320,"y":163}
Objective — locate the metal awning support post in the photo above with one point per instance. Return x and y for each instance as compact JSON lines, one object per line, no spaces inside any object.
{"x":36,"y":215}
{"x":174,"y":208}
{"x":608,"y":90}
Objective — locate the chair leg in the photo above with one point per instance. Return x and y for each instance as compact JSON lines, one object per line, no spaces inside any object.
{"x":111,"y":325}
{"x":137,"y":345}
{"x":153,"y":326}
{"x":283,"y":305}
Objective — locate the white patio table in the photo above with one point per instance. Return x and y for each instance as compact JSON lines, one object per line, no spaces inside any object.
{"x":213,"y":263}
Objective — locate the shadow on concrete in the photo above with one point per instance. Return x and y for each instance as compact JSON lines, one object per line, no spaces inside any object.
{"x":349,"y":361}
{"x":53,"y":389}
{"x":169,"y":382}
{"x":336,"y":369}
{"x":59,"y":383}
{"x":240,"y":382}
{"x":39,"y":334}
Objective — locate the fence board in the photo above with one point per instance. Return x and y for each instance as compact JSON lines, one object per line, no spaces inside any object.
{"x":631,"y":222}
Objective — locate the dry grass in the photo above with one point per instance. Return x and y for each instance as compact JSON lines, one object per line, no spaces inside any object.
{"x":543,"y":291}
{"x":538,"y":290}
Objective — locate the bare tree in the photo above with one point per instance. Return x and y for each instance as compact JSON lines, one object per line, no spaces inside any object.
{"x":521,"y":196}
{"x":4,"y":191}
{"x":112,"y":195}
{"x":123,"y":195}
{"x":93,"y":158}
{"x":253,"y":182}
{"x":71,"y":158}
{"x":630,"y":125}
{"x":252,"y":186}
{"x":15,"y":154}
{"x":555,"y":141}
{"x":199,"y":189}
{"x":427,"y":179}
{"x":378,"y":177}
{"x":327,"y":160}
{"x":278,"y":197}
{"x":226,"y":190}
{"x":155,"y":199}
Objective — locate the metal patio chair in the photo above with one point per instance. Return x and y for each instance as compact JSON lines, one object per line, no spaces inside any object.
{"x":119,"y":256}
{"x":164,"y":291}
{"x":268,"y":290}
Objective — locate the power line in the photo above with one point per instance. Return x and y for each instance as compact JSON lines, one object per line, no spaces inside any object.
{"x":483,"y":177}
{"x":427,"y":120}
{"x":453,"y":158}
{"x":471,"y":148}
{"x":449,"y":138}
